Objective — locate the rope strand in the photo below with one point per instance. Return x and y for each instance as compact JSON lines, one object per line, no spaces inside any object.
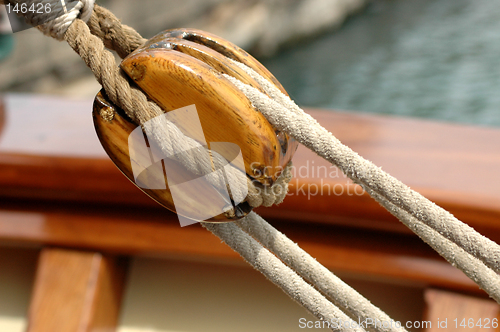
{"x":472,"y":267}
{"x":282,"y":276}
{"x":346,"y":298}
{"x":55,"y":18}
{"x":408,"y":206}
{"x":285,"y":115}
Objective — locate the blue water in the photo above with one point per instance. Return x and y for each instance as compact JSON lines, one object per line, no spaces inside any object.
{"x":437,"y":59}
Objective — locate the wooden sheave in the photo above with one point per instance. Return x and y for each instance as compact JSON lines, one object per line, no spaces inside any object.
{"x":184,"y":67}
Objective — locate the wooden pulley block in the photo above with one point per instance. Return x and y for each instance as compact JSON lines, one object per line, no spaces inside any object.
{"x":181,"y":70}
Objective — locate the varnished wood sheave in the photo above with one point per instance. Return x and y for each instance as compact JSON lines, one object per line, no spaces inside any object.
{"x":179,"y":68}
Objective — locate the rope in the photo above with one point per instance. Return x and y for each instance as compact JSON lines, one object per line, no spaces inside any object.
{"x":90,"y":42}
{"x":282,"y":276}
{"x":472,"y":267}
{"x":351,"y":302}
{"x":167,"y":136}
{"x":267,"y":196}
{"x":285,"y":115}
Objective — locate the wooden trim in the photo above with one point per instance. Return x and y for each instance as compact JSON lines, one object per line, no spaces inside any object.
{"x":453,"y":165}
{"x":76,"y":291}
{"x":86,"y":203}
{"x":2,"y":115}
{"x":447,"y":311}
{"x":131,"y":231}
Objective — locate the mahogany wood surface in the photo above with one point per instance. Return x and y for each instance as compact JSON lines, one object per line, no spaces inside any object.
{"x":352,"y":252}
{"x":459,"y":312}
{"x":76,"y":291}
{"x":453,"y":165}
{"x":54,"y":194}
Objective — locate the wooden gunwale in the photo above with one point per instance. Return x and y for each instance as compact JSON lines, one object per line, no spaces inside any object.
{"x":85,"y":202}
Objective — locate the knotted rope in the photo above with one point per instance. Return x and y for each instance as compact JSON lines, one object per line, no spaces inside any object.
{"x":455,"y":241}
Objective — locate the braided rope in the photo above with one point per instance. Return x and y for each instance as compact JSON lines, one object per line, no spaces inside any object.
{"x":410,"y":207}
{"x":96,"y":59}
{"x":283,"y":113}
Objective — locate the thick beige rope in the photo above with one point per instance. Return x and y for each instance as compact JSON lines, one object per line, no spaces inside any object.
{"x":115,"y":35}
{"x":284,"y":277}
{"x":130,"y":99}
{"x":283,"y":113}
{"x":341,"y":294}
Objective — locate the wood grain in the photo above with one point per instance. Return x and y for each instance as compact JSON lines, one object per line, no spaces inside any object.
{"x":132,"y":231}
{"x":451,"y":310}
{"x":76,"y":291}
{"x":86,"y":203}
{"x":226,"y":115}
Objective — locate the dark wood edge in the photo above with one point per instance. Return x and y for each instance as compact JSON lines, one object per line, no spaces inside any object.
{"x":353,"y":252}
{"x":98,"y":181}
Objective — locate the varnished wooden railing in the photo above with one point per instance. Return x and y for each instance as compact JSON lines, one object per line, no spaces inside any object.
{"x":64,"y":203}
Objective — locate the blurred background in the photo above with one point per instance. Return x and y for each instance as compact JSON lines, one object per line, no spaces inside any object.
{"x":435,"y":59}
{"x":43,"y":65}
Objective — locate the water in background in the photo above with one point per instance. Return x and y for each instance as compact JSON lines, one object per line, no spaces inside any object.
{"x":436,"y":59}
